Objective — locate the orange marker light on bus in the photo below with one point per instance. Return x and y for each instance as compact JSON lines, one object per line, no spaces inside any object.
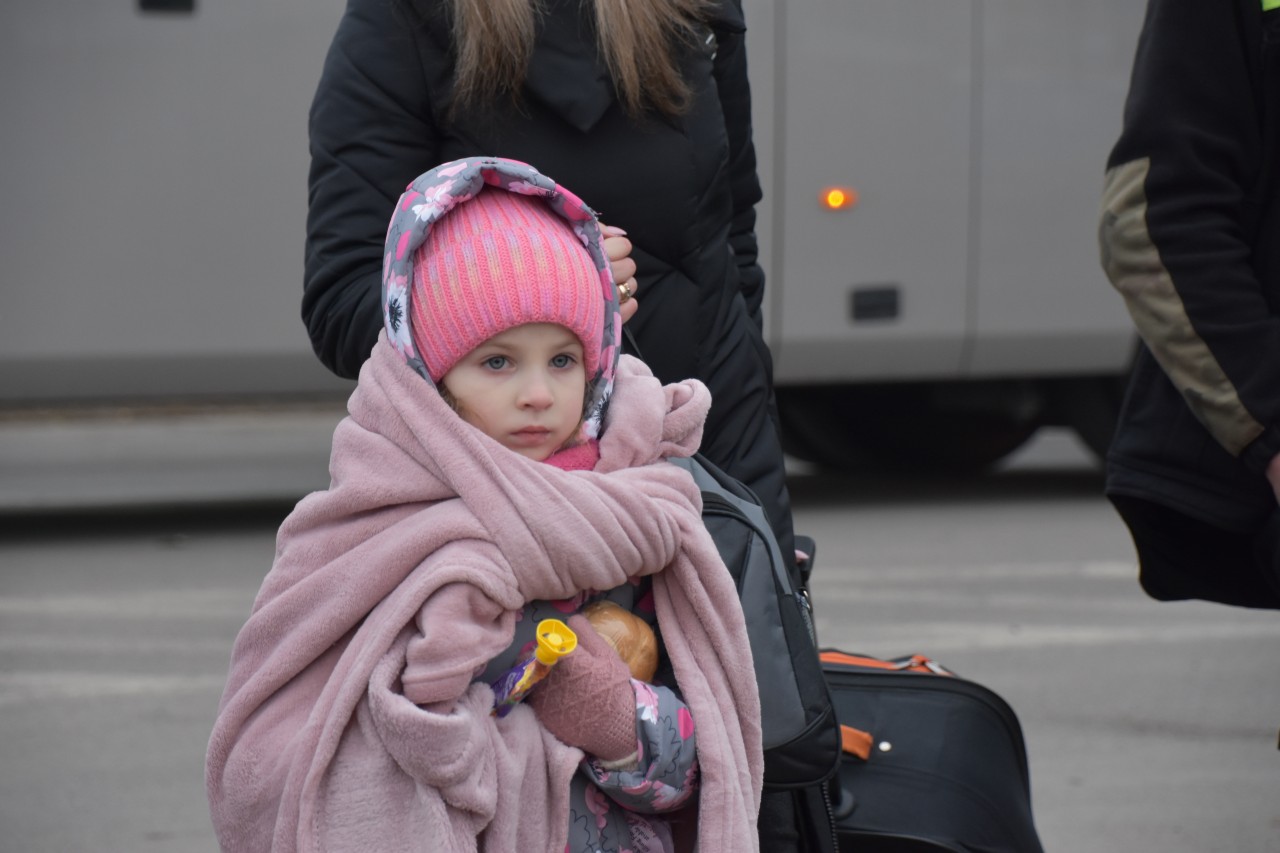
{"x":839,"y":198}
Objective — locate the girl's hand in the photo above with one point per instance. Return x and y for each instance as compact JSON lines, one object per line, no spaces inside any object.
{"x":587,"y":700}
{"x":618,"y":249}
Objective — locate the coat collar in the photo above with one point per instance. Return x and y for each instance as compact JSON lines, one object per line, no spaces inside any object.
{"x":566,"y":72}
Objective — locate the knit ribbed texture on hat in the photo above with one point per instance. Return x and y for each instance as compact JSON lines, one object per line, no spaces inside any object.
{"x":496,"y":262}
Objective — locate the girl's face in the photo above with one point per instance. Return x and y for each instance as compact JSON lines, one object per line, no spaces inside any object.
{"x":524,"y":388}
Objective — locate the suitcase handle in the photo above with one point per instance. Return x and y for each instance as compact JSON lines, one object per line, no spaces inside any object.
{"x":855,"y":741}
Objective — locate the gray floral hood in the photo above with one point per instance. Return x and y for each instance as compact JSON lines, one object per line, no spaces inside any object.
{"x":433,"y":194}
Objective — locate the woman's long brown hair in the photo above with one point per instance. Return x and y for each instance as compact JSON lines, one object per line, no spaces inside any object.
{"x":638,"y":40}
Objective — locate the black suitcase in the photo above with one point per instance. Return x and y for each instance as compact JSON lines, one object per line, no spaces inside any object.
{"x":931,"y":762}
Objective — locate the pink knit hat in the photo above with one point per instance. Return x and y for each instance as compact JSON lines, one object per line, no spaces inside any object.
{"x":495,"y":262}
{"x":433,"y":198}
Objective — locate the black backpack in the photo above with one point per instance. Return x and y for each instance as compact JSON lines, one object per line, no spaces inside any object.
{"x":798,"y":722}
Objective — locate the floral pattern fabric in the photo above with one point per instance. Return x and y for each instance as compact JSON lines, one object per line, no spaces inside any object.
{"x":621,"y":811}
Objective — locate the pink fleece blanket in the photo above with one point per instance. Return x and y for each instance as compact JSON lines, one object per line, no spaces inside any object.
{"x":315,"y":746}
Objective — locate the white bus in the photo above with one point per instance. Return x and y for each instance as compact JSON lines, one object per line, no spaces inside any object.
{"x":154,"y":189}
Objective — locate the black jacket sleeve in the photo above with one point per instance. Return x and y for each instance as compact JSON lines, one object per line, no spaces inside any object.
{"x":744,"y":433}
{"x":372,"y":132}
{"x":1186,"y":188}
{"x":730,"y":70}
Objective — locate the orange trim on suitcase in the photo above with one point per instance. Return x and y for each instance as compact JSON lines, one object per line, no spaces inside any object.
{"x":915,"y":663}
{"x":855,"y":742}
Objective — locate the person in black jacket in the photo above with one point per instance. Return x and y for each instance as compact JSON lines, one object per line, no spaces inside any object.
{"x":1190,"y":213}
{"x":665,"y":152}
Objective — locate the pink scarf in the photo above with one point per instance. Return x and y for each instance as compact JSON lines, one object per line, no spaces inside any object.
{"x":315,"y":746}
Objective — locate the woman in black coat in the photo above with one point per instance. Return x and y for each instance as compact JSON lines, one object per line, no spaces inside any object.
{"x":651,"y":126}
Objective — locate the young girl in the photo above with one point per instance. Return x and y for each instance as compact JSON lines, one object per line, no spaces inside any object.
{"x":500,"y":463}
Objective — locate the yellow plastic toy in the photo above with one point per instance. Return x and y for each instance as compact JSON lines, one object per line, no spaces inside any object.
{"x":555,"y":640}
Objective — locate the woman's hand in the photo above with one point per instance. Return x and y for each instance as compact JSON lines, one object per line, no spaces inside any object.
{"x":618,"y":249}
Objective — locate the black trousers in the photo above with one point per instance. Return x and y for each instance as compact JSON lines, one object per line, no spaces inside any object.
{"x":1180,"y":557}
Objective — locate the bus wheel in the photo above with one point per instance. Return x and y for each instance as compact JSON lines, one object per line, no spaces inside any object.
{"x":949,"y":428}
{"x":1090,"y":406}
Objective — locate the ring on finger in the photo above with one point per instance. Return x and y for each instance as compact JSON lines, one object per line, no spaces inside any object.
{"x":624,"y":293}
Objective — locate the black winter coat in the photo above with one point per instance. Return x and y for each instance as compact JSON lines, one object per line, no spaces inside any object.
{"x":1190,"y":214}
{"x":684,"y":190}
{"x":1191,"y":210}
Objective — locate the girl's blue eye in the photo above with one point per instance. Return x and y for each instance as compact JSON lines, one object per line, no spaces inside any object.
{"x":562,"y":360}
{"x":495,"y":362}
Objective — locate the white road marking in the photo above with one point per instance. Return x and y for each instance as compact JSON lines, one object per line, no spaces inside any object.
{"x":202,"y":604}
{"x":25,"y":687}
{"x":933,"y":637}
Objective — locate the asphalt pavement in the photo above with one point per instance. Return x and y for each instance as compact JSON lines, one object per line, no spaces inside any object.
{"x":163,"y":457}
{"x":132,"y":542}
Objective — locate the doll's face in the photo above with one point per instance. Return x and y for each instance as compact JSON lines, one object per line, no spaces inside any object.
{"x":523,"y":388}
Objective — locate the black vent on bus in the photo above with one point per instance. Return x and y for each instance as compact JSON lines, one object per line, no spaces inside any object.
{"x":181,"y":6}
{"x":874,"y":302}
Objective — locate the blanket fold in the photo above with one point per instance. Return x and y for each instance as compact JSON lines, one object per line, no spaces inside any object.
{"x":316,"y":745}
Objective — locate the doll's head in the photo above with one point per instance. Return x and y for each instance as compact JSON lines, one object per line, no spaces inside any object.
{"x":497,"y":290}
